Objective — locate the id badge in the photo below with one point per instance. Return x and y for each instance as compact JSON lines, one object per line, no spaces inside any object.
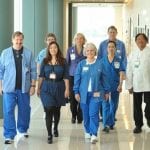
{"x":96,"y":94}
{"x":117,"y":65}
{"x":85,"y":69}
{"x":52,"y":76}
{"x":118,"y":51}
{"x":72,"y":56}
{"x":136,"y":63}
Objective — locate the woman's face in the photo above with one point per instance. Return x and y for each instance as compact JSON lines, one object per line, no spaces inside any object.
{"x":111,"y":48}
{"x":79,"y":41}
{"x":90,"y":53}
{"x":53,"y":49}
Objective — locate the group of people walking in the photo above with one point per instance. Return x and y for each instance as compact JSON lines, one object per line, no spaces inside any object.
{"x":91,"y":82}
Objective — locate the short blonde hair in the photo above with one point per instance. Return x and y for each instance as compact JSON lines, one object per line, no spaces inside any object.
{"x":79,"y":34}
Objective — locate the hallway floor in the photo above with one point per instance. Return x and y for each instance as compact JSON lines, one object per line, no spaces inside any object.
{"x":71,"y":136}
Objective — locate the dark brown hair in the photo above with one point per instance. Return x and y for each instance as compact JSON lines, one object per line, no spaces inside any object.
{"x":59,"y":56}
{"x":112,"y":27}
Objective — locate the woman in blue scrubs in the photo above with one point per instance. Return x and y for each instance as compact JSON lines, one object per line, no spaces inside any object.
{"x":116,"y":69}
{"x":53,"y":87}
{"x":90,"y":86}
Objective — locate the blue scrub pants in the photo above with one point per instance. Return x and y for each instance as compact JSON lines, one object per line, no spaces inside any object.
{"x":90,"y":112}
{"x":114,"y":101}
{"x":10,"y":100}
{"x":108,"y":115}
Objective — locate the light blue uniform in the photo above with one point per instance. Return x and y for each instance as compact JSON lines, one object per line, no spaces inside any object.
{"x":95,"y":73}
{"x":11,"y":96}
{"x":114,"y":78}
{"x":41,"y":56}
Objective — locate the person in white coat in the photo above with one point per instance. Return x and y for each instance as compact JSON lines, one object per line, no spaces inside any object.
{"x":138,"y":80}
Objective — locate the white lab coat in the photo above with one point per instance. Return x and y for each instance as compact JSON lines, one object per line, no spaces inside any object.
{"x":138,"y":70}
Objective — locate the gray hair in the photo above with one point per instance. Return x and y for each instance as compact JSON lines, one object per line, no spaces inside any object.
{"x":91,"y":46}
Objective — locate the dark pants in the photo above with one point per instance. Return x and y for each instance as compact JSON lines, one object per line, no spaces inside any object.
{"x":51,"y":112}
{"x":74,"y":105}
{"x":137,"y":107}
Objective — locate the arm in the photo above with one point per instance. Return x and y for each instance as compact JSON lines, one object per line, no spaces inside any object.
{"x":124,"y":55}
{"x":121,"y":74}
{"x":129,"y":75}
{"x":40,"y":80}
{"x":77,"y":81}
{"x":33,"y":76}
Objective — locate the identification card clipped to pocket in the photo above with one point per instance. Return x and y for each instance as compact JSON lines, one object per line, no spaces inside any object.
{"x":136,"y":63}
{"x":52,"y":76}
{"x":117,"y":65}
{"x":72,"y":56}
{"x":85,"y":69}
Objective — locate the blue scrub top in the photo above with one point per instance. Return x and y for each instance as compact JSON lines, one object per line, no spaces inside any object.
{"x":120,"y":52}
{"x":73,"y":61}
{"x":114,"y":68}
{"x":98,"y":75}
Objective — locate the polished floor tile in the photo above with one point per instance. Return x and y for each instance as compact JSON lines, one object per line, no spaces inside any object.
{"x":72,"y":135}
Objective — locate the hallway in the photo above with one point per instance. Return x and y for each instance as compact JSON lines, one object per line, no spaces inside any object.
{"x":72,"y":135}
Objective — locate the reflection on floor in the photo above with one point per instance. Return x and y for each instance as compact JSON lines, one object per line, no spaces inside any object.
{"x":72,"y":135}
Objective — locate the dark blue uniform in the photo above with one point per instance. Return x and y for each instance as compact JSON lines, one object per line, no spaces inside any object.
{"x":52,"y":91}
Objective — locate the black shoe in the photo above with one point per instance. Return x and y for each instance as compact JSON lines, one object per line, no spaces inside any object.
{"x":73,"y":120}
{"x":79,"y":121}
{"x":8,"y":141}
{"x":148,"y":123}
{"x":137,"y":130}
{"x":50,"y":139}
{"x":115,"y":119}
{"x":111,"y":127}
{"x":101,"y":119}
{"x":106,"y":129}
{"x":56,"y":134}
{"x":26,"y":135}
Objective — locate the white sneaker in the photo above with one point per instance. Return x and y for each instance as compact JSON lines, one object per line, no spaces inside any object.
{"x":93,"y":139}
{"x":87,"y":135}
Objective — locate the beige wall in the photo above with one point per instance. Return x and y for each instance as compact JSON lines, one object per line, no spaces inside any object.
{"x":131,"y":10}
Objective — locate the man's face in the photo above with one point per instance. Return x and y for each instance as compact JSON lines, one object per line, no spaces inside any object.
{"x":112,"y":33}
{"x":141,"y":42}
{"x":17,"y":42}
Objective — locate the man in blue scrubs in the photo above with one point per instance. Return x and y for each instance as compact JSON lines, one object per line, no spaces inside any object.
{"x":17,"y":84}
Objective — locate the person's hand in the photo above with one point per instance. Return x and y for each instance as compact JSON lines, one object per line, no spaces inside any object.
{"x":119,"y":89}
{"x":38,"y":92}
{"x":130,"y":91}
{"x":32,"y":90}
{"x":106,"y":96}
{"x":77,"y":97}
{"x":66,"y":93}
{"x":1,"y":91}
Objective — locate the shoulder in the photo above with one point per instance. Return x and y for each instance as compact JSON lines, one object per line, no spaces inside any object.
{"x":6,"y":51}
{"x":104,"y":42}
{"x":120,"y":42}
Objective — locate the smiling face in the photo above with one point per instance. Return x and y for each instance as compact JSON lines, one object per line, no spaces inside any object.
{"x":53,"y":49}
{"x":141,"y":42}
{"x":111,"y":47}
{"x":79,"y":40}
{"x":17,"y":42}
{"x":90,"y":51}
